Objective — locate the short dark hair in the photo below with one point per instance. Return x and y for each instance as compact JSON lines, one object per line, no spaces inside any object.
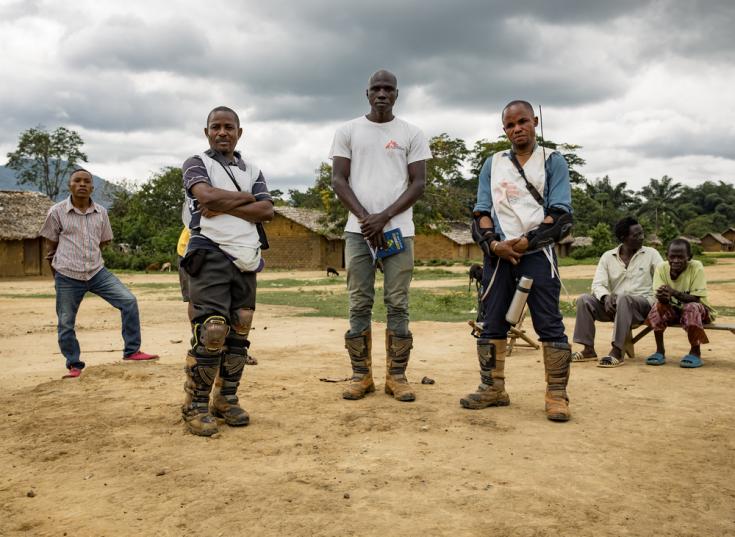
{"x":223,"y":109}
{"x":80,"y":169}
{"x":520,"y":103}
{"x":681,"y":242}
{"x":622,"y":227}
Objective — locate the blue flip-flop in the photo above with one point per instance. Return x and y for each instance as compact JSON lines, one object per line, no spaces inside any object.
{"x":656,"y":359}
{"x":690,"y":361}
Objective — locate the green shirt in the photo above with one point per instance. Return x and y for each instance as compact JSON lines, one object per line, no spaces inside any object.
{"x":691,"y":282}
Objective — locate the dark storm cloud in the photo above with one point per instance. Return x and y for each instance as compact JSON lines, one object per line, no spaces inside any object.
{"x":309,"y":62}
{"x":130,"y":43}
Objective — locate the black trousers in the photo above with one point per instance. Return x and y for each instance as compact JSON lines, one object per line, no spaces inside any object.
{"x":543,"y":300}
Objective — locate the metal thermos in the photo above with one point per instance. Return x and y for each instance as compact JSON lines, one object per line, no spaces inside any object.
{"x":519,"y":300}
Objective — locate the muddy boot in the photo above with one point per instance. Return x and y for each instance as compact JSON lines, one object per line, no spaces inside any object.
{"x":359,"y":349}
{"x":398,"y":350}
{"x":557,"y":360}
{"x":491,"y":391}
{"x":200,"y":373}
{"x":225,"y":403}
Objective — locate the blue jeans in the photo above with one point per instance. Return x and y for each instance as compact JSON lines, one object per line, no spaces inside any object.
{"x":69,"y":294}
{"x":398,"y":271}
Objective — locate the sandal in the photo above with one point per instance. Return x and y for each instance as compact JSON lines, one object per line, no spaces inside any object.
{"x":579,"y":357}
{"x":690,"y":361}
{"x":610,"y":361}
{"x":656,"y":359}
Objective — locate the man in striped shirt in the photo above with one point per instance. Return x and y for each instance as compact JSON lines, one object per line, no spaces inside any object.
{"x":75,"y":230}
{"x":227,"y":197}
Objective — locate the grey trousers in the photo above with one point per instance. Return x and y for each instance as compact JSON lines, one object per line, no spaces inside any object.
{"x":629,"y":310}
{"x":397,"y":274}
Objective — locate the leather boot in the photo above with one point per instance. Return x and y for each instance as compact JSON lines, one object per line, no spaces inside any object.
{"x":359,"y":349}
{"x":225,"y":403}
{"x":398,"y":351}
{"x":200,"y":373}
{"x":557,"y":361}
{"x":491,"y":391}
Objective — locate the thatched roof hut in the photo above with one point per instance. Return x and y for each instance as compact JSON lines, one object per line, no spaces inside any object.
{"x":21,"y":248}
{"x":22,"y":214}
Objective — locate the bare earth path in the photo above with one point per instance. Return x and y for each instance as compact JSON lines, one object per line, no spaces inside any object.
{"x":650,"y":451}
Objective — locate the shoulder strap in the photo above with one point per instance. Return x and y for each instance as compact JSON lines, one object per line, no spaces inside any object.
{"x":532,"y":189}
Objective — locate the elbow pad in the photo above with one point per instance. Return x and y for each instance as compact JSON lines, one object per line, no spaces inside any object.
{"x":483,"y":236}
{"x":547,"y":234}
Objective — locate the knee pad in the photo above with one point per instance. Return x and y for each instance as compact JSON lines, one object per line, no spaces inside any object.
{"x":237,"y":344}
{"x":242,"y":319}
{"x":209,"y":336}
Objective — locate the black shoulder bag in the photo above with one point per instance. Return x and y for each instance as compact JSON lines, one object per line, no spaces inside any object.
{"x":258,"y":226}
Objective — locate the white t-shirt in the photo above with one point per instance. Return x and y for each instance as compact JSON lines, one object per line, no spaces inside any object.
{"x":380,"y":154}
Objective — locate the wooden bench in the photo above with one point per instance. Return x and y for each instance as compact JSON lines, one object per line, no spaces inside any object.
{"x":633,"y":339}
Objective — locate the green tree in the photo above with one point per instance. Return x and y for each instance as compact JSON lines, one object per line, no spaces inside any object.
{"x":148,"y":218}
{"x":321,"y":196}
{"x":448,"y":196}
{"x":660,"y":197}
{"x":45,"y":158}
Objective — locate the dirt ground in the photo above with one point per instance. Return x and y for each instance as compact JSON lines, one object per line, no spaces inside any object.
{"x":649,"y":451}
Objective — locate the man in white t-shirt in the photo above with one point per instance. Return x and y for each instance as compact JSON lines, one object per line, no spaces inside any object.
{"x":378,"y":173}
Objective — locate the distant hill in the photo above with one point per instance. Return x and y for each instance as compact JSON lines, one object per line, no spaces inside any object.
{"x":103,"y":190}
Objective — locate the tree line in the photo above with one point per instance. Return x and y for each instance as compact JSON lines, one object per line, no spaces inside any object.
{"x":147,"y":218}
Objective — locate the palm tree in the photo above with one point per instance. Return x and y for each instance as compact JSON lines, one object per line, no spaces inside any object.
{"x":660,"y":197}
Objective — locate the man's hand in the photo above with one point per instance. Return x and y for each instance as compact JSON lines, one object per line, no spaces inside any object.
{"x":610,"y":303}
{"x":506,"y":250}
{"x":522,"y":245}
{"x":207,"y":213}
{"x":664,"y":294}
{"x":372,"y":226}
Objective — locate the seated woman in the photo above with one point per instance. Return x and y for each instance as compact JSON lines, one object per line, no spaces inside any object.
{"x":681,"y":297}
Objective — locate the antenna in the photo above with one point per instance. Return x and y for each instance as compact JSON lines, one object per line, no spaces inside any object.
{"x":543,"y":141}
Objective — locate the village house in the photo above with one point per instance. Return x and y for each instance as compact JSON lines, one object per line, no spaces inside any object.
{"x":452,"y":241}
{"x":298,"y":240}
{"x":729,"y":234}
{"x":715,"y":242}
{"x":21,"y":248}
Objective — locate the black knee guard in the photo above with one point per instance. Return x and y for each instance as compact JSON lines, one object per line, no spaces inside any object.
{"x":233,"y":362}
{"x":208,"y":337}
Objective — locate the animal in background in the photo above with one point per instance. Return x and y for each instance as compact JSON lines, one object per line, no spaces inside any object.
{"x":476,"y":276}
{"x":332,"y":271}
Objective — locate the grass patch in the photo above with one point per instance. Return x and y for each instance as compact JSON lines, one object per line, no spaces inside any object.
{"x":29,"y":295}
{"x":718,"y":255}
{"x":570,"y":261}
{"x":153,"y":285}
{"x":727,"y":311}
{"x":293,"y":282}
{"x":447,"y":304}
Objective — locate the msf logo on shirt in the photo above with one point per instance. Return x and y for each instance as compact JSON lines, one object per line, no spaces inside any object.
{"x":394,"y":145}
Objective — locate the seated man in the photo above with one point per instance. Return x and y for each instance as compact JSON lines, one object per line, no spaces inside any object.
{"x":622,"y":293}
{"x":681,"y":297}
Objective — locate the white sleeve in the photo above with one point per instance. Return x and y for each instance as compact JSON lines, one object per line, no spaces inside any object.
{"x":419,"y":148}
{"x":341,"y":145}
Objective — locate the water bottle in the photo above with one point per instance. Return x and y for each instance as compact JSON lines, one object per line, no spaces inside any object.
{"x":519,"y":300}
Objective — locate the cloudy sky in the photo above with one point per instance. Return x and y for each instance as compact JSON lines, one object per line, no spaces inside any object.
{"x":647,"y":88}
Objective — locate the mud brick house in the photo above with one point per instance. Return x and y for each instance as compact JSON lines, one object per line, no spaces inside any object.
{"x":298,"y":240}
{"x":729,"y":234}
{"x":452,"y":241}
{"x":21,"y":248}
{"x":715,"y":242}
